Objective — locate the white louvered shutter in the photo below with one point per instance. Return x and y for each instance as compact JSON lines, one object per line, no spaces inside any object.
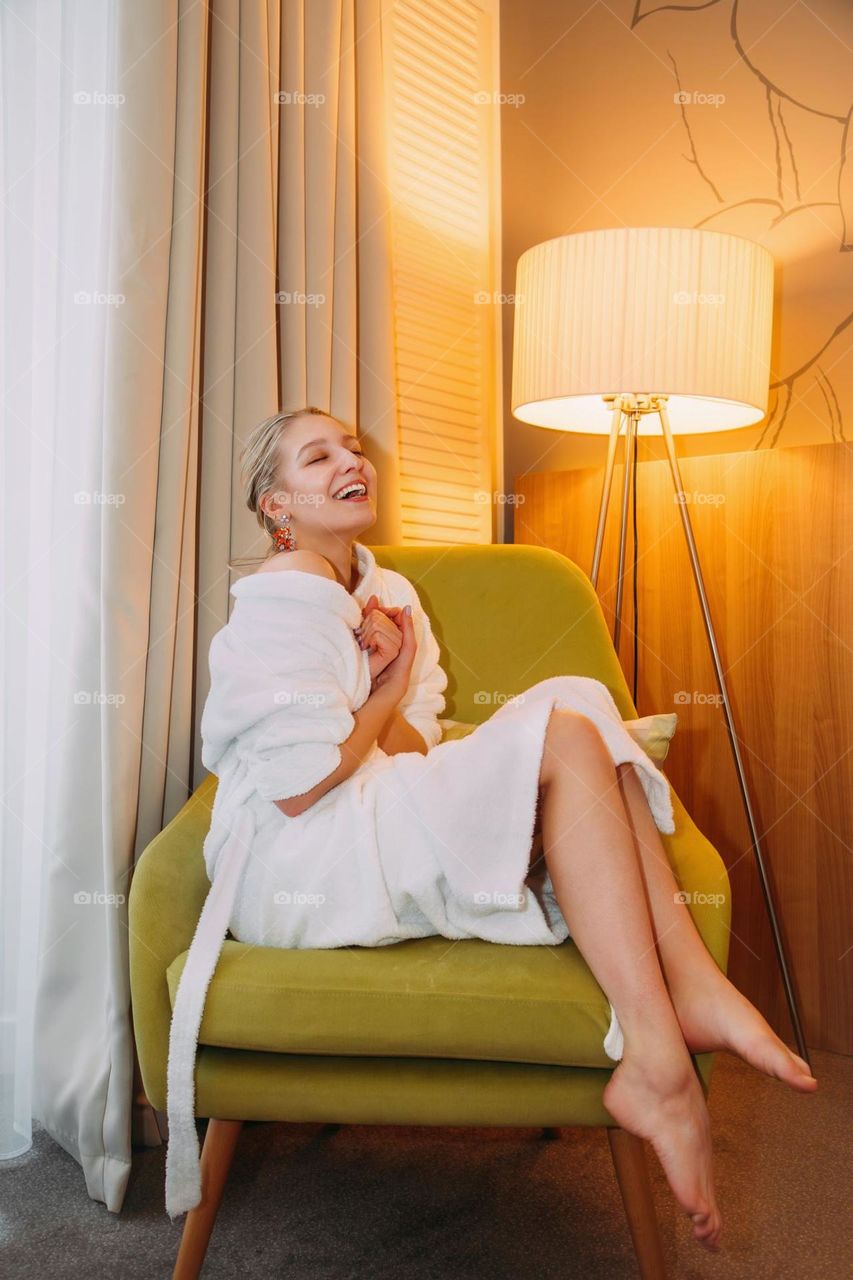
{"x":441,"y":68}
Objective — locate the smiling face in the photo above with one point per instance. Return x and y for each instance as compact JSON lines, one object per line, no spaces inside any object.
{"x":319,"y":459}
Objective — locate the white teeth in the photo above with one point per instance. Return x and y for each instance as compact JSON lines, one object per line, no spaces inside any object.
{"x":358,"y":487}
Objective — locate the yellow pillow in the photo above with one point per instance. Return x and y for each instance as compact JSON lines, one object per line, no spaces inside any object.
{"x":653,"y":733}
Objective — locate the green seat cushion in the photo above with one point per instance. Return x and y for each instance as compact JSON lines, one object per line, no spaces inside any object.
{"x":424,"y":997}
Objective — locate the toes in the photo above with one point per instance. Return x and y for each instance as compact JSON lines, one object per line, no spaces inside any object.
{"x":706,"y":1229}
{"x":776,"y":1059}
{"x":793,"y":1070}
{"x":805,"y":1081}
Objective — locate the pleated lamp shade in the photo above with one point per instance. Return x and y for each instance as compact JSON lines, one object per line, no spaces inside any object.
{"x":666,"y":310}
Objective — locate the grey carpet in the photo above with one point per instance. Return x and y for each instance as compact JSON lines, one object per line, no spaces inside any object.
{"x":373,"y":1203}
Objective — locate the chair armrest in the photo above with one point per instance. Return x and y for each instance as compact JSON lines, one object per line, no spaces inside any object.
{"x":167,"y":893}
{"x":703,"y":878}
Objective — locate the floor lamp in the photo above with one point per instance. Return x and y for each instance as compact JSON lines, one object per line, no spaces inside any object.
{"x":650,"y":328}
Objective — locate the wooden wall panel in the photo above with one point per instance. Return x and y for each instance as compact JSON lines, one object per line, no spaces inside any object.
{"x":774,"y":530}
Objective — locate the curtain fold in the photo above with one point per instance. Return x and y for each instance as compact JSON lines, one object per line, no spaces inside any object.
{"x":206,"y":203}
{"x":377,"y":391}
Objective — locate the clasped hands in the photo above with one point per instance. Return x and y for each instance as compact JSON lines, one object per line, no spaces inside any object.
{"x":387,"y":633}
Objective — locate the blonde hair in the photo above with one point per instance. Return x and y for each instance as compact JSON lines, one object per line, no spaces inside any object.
{"x":259,"y":464}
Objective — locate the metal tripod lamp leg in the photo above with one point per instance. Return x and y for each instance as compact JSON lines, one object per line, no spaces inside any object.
{"x":630,"y":446}
{"x":615,"y":428}
{"x":766,"y":888}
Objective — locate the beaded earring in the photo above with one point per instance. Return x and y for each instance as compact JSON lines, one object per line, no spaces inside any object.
{"x":283,"y":537}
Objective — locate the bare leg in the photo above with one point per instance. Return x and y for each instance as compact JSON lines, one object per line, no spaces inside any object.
{"x":712,"y":1013}
{"x":589,"y":850}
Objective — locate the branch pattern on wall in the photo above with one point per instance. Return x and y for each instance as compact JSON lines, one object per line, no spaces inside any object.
{"x":795,"y":139}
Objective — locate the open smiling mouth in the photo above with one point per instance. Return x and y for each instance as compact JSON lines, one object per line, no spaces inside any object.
{"x":355,"y":492}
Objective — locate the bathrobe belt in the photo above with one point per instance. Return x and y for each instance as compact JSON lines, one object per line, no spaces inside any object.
{"x":183,"y":1169}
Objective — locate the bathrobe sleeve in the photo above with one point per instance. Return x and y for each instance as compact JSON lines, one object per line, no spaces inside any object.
{"x":424,"y":700}
{"x":285,"y":678}
{"x":297,"y":745}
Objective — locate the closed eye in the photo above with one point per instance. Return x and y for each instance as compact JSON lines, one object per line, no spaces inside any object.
{"x":358,"y":453}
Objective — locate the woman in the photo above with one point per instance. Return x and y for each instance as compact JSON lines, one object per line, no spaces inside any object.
{"x":340,"y":818}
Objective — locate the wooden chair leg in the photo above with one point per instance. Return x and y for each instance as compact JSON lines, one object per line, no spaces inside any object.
{"x":632,"y":1174}
{"x":220,"y":1142}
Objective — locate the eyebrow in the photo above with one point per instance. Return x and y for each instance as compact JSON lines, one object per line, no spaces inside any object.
{"x":313,"y":442}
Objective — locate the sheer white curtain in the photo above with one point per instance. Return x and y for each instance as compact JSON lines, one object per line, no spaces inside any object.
{"x":61,"y":885}
{"x":100,"y":258}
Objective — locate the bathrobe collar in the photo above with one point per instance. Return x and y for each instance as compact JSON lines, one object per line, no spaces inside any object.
{"x":297,"y":584}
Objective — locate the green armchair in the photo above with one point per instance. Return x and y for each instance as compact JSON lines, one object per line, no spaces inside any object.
{"x":425,"y":1031}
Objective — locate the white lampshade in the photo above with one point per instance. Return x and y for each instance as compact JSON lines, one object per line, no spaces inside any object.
{"x":666,"y":310}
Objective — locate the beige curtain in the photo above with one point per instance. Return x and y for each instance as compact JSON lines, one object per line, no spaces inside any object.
{"x":224,"y":203}
{"x":279,"y":293}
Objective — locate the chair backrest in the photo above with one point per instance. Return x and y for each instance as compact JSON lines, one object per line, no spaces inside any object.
{"x":507,"y":616}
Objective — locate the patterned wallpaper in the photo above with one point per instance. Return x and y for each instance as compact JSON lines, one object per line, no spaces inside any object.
{"x":732,"y":115}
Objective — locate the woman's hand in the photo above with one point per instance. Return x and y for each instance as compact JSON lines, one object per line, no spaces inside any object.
{"x":380,"y":635}
{"x":396,"y":676}
{"x":384,"y":632}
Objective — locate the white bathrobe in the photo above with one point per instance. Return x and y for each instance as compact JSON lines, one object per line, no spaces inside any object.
{"x":408,"y":846}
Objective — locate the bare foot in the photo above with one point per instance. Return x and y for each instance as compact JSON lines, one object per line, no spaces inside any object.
{"x":714,"y":1015}
{"x":659,"y":1097}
